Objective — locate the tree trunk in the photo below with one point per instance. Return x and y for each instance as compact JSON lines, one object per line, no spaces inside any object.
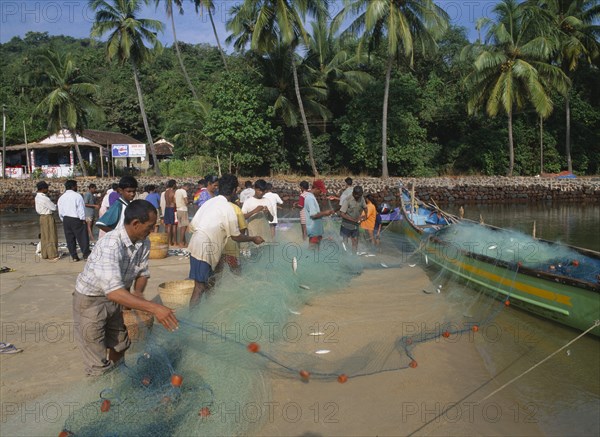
{"x":145,"y":119}
{"x":79,"y":158}
{"x":181,"y":64}
{"x":386,"y":95}
{"x":511,"y":146}
{"x":212,"y":22}
{"x":311,"y":155}
{"x":568,"y":135}
{"x":541,"y":145}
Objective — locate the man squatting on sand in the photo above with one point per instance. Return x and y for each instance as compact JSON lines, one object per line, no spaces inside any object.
{"x":118,"y":261}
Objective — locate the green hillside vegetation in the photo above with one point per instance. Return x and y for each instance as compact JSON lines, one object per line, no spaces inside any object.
{"x":441,"y":118}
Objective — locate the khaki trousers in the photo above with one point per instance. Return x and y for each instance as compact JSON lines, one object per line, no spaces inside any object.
{"x":48,"y":236}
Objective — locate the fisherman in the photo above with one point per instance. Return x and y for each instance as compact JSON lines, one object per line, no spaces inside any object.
{"x":118,"y":262}
{"x":352,"y":211}
{"x":314,"y":215}
{"x":211,"y":226}
{"x":258,"y":211}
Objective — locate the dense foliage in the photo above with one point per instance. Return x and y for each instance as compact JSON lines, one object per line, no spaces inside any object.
{"x":247,"y":114}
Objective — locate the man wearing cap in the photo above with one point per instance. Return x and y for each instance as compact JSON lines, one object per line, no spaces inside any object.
{"x":45,"y":208}
{"x":314,"y":215}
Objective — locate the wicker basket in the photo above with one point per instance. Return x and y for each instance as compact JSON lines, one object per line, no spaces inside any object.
{"x":138,"y":323}
{"x":176,"y":294}
{"x":159,"y":245}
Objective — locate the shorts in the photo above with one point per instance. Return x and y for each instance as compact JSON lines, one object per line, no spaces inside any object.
{"x":99,"y":325}
{"x":315,"y":239}
{"x":169,"y":216}
{"x":200,"y":271}
{"x":89,"y":219}
{"x":183,"y":218}
{"x":348,"y":233}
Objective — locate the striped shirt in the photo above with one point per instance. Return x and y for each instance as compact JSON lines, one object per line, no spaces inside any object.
{"x":115,"y":262}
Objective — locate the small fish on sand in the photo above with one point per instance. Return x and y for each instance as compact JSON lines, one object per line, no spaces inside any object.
{"x":411,"y":265}
{"x":385,"y":266}
{"x":294,"y":264}
{"x":315,"y":334}
{"x":304,"y":287}
{"x":294,"y":312}
{"x":322,"y":351}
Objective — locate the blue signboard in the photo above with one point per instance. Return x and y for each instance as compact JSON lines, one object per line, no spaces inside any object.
{"x":120,"y":150}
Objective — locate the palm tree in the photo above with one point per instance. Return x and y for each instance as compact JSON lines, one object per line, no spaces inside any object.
{"x":127,"y":42}
{"x":70,"y":100}
{"x":331,"y":66}
{"x":210,"y":7}
{"x":169,"y":10}
{"x":405,"y":25}
{"x":268,"y":24}
{"x":514,"y":71}
{"x":575,"y":24}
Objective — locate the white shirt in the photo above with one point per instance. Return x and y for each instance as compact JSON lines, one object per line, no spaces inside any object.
{"x":181,"y":199}
{"x":43,"y":204}
{"x":346,"y":194}
{"x":105,"y":205}
{"x":70,"y":204}
{"x":246,"y":194}
{"x":163,"y":204}
{"x":275,"y":200}
{"x":211,"y":226}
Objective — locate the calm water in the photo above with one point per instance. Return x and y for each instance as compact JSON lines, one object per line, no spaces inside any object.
{"x":562,"y":395}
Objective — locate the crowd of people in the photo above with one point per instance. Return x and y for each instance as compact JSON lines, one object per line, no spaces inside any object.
{"x":228,"y":223}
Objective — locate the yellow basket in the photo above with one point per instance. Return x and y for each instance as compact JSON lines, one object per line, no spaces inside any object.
{"x":138,"y":323}
{"x":176,"y":294}
{"x":159,"y":245}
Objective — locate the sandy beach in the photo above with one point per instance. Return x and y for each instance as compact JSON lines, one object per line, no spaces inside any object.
{"x":438,"y":397}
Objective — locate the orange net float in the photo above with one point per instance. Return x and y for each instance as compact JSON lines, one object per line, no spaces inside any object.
{"x":176,"y":380}
{"x":342,"y":378}
{"x":575,"y":263}
{"x":475,"y":328}
{"x":412,"y":364}
{"x":253,"y":347}
{"x":305,"y":375}
{"x":507,"y":303}
{"x":65,"y":433}
{"x":105,"y":407}
{"x":445,"y":334}
{"x":204,"y":412}
{"x":146,"y":381}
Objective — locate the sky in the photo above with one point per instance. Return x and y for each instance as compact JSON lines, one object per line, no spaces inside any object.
{"x":74,"y":18}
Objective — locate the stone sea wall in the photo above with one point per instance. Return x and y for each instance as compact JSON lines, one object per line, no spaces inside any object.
{"x":17,"y":194}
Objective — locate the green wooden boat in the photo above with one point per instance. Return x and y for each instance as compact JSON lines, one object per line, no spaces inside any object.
{"x":549,"y":279}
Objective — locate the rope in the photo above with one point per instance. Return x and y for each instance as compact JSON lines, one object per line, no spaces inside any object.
{"x":596,"y":323}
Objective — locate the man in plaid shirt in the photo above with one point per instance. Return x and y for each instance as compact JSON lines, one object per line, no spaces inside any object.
{"x":118,"y":262}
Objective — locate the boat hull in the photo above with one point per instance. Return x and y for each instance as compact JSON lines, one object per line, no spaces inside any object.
{"x":557,"y":299}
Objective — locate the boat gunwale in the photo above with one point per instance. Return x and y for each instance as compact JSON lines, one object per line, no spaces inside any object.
{"x":539,"y":274}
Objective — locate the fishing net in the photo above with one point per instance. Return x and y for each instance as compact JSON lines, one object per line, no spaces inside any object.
{"x":213,"y":376}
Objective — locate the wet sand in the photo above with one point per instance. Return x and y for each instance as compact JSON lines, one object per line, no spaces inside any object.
{"x":378,"y":307}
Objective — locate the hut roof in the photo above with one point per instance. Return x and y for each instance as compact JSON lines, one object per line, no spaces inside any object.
{"x":88,"y":137}
{"x":163,"y":147}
